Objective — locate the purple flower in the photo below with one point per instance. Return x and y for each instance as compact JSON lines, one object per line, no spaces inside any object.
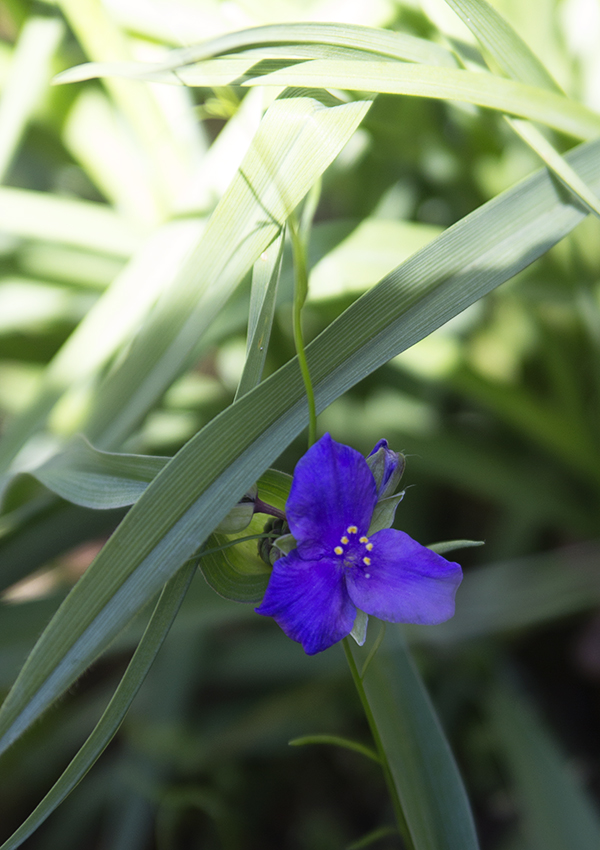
{"x":314,"y":591}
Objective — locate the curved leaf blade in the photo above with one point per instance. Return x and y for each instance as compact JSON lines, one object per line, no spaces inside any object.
{"x":431,"y":792}
{"x":166,"y":610}
{"x":507,"y":47}
{"x":355,"y":39}
{"x":91,"y":478}
{"x":297,"y":139}
{"x":556,"y":811}
{"x":481,"y":89}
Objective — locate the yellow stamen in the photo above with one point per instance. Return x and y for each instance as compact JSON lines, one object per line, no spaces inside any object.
{"x":367,"y":562}
{"x":338,"y":550}
{"x":369,"y":547}
{"x":352,"y":529}
{"x":363,"y":539}
{"x":344,"y":540}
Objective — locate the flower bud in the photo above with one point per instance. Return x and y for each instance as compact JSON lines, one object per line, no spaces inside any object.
{"x":387,"y":468}
{"x":280,"y":542}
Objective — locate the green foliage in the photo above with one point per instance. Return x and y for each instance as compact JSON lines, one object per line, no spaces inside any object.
{"x":453,"y":307}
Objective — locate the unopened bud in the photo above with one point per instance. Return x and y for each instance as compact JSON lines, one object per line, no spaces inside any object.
{"x":387,"y":468}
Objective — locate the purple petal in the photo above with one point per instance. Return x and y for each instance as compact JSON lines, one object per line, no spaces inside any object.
{"x":309,"y":600}
{"x":333,"y":488}
{"x":405,"y":582}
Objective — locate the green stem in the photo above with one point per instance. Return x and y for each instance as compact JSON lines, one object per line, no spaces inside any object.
{"x":389,"y":779}
{"x":300,"y":293}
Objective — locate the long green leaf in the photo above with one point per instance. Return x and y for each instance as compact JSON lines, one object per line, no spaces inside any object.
{"x":292,"y":35}
{"x":425,"y":775}
{"x":28,"y":78}
{"x":555,"y":810}
{"x":84,"y":224}
{"x":85,"y":476}
{"x":508,"y":49}
{"x":513,"y":595}
{"x":297,"y":139}
{"x":517,"y":60}
{"x":109,"y":324}
{"x":482,"y":89}
{"x":388,"y":77}
{"x":208,"y":476}
{"x":265,"y":280}
{"x":166,"y":610}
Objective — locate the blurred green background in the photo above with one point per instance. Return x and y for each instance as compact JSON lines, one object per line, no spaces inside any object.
{"x":105,"y":186}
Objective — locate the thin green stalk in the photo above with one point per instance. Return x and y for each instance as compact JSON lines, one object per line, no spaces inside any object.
{"x":300,"y":293}
{"x":401,"y":820}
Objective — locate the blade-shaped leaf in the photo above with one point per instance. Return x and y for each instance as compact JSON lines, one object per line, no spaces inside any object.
{"x":85,"y":476}
{"x":297,"y":139}
{"x":387,"y":77}
{"x":556,"y":163}
{"x":425,"y":775}
{"x":508,"y":49}
{"x":482,"y":89}
{"x":28,"y":77}
{"x":109,"y":324}
{"x":206,"y":478}
{"x":356,"y":39}
{"x":265,"y":279}
{"x":517,"y":60}
{"x":556,"y":812}
{"x":166,"y":610}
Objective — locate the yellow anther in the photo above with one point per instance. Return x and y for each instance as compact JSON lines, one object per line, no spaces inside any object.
{"x":367,"y":562}
{"x":363,"y":539}
{"x":338,"y":550}
{"x":352,"y":529}
{"x":369,"y":546}
{"x":344,"y":540}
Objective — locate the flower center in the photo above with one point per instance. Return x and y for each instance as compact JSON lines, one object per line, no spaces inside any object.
{"x":354,"y":550}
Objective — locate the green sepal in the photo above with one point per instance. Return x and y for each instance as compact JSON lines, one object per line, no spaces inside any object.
{"x":285,"y":544}
{"x":384,"y":513}
{"x":238,"y":572}
{"x":359,"y":629}
{"x":451,"y":545}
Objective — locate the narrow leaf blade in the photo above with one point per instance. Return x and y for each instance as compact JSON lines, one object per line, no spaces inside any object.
{"x":429,"y":786}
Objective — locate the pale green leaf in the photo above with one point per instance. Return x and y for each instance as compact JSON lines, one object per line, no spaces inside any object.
{"x":297,"y":139}
{"x":482,"y":89}
{"x":83,"y":224}
{"x":516,"y":59}
{"x":265,"y":279}
{"x":557,"y":164}
{"x":29,"y":76}
{"x":292,"y":36}
{"x":509,"y":50}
